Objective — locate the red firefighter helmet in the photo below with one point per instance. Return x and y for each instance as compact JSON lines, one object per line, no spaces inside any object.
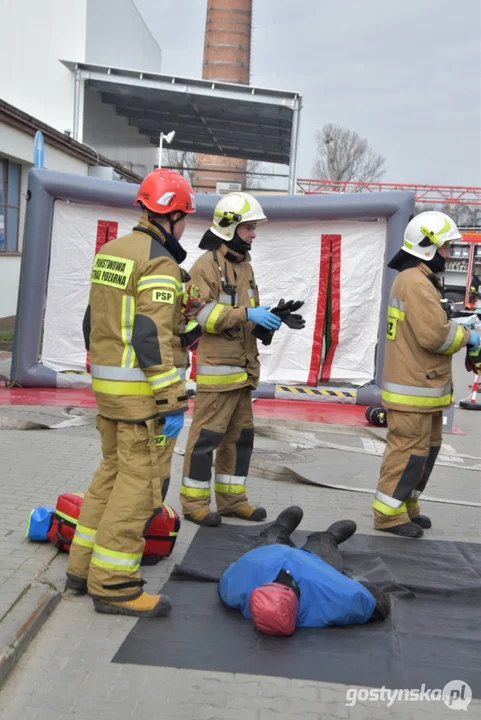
{"x":166,"y":191}
{"x":274,"y":609}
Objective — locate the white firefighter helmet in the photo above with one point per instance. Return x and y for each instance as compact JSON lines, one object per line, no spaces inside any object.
{"x":234,"y":209}
{"x":427,"y":232}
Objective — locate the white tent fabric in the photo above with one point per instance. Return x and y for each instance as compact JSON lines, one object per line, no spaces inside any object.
{"x":286,"y":257}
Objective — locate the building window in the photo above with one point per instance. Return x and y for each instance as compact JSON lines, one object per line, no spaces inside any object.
{"x":9,"y":205}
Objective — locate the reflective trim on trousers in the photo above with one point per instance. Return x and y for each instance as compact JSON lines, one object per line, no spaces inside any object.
{"x":194,"y":492}
{"x":230,"y":479}
{"x":112,"y":560}
{"x":84,"y":536}
{"x":230,"y":489}
{"x":388,"y":500}
{"x":189,"y":483}
{"x":387,"y":510}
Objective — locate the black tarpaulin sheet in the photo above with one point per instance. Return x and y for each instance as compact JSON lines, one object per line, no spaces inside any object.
{"x":432,"y":636}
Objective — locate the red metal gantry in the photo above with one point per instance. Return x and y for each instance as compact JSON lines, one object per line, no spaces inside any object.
{"x":432,"y":194}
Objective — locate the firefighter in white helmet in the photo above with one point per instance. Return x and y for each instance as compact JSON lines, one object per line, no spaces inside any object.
{"x":417,"y":383}
{"x":227,"y":365}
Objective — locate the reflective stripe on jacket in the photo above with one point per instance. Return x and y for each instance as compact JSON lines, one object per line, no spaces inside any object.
{"x":132,"y":328}
{"x":420,"y":343}
{"x":227,"y":356}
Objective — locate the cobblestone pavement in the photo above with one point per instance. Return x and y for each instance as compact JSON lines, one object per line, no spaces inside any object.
{"x":67,"y":669}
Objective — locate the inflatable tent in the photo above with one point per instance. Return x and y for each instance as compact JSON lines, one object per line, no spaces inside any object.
{"x":328,"y":250}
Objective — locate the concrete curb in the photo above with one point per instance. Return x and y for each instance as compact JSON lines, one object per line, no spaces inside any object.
{"x":22,"y":622}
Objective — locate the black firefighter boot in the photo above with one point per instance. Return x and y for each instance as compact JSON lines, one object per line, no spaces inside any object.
{"x":423,"y":521}
{"x":325,"y":544}
{"x":407,"y":530}
{"x":204,"y":517}
{"x":280,"y":530}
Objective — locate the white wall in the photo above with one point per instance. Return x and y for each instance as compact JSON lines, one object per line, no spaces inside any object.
{"x":9,"y":274}
{"x":18,"y":147}
{"x":117,"y":36}
{"x":112,"y":136}
{"x":36,"y":35}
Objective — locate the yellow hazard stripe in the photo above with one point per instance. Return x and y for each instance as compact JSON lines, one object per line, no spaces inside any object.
{"x":309,"y":391}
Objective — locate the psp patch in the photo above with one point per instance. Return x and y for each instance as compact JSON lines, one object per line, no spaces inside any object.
{"x":163,"y":296}
{"x":160,"y":441}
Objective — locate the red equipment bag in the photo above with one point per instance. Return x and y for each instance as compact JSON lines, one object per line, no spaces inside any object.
{"x":160,"y":534}
{"x":64,"y":520}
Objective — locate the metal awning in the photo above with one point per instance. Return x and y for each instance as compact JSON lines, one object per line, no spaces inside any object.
{"x":216,"y":118}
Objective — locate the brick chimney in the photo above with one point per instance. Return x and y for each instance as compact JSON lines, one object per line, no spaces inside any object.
{"x":227,"y":52}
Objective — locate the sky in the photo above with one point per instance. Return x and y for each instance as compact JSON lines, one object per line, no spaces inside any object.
{"x":404,"y":74}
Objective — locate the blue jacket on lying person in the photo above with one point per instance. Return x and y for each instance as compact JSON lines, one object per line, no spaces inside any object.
{"x":281,"y":587}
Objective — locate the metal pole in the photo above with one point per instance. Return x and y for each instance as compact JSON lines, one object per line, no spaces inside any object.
{"x":76,"y":104}
{"x":161,"y":140}
{"x":472,"y":248}
{"x":294,"y":143}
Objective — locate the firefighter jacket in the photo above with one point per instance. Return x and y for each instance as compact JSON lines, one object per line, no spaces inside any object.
{"x":133,"y":324}
{"x":421,"y":340}
{"x":227,"y":356}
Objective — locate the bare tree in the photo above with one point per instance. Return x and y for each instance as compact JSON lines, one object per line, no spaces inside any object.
{"x":182,"y":161}
{"x":343,"y":155}
{"x":465,"y":216}
{"x":253,"y":181}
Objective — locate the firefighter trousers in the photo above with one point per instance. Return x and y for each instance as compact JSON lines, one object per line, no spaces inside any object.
{"x":413,"y":443}
{"x":222,"y":422}
{"x":127,"y":488}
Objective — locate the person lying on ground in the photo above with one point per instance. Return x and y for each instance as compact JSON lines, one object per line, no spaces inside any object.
{"x":280,"y":587}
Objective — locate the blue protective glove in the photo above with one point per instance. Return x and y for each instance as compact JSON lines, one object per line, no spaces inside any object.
{"x":261,"y":316}
{"x":173,"y":425}
{"x":474,"y":340}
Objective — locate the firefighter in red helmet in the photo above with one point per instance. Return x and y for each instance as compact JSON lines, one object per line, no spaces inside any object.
{"x":133,"y":328}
